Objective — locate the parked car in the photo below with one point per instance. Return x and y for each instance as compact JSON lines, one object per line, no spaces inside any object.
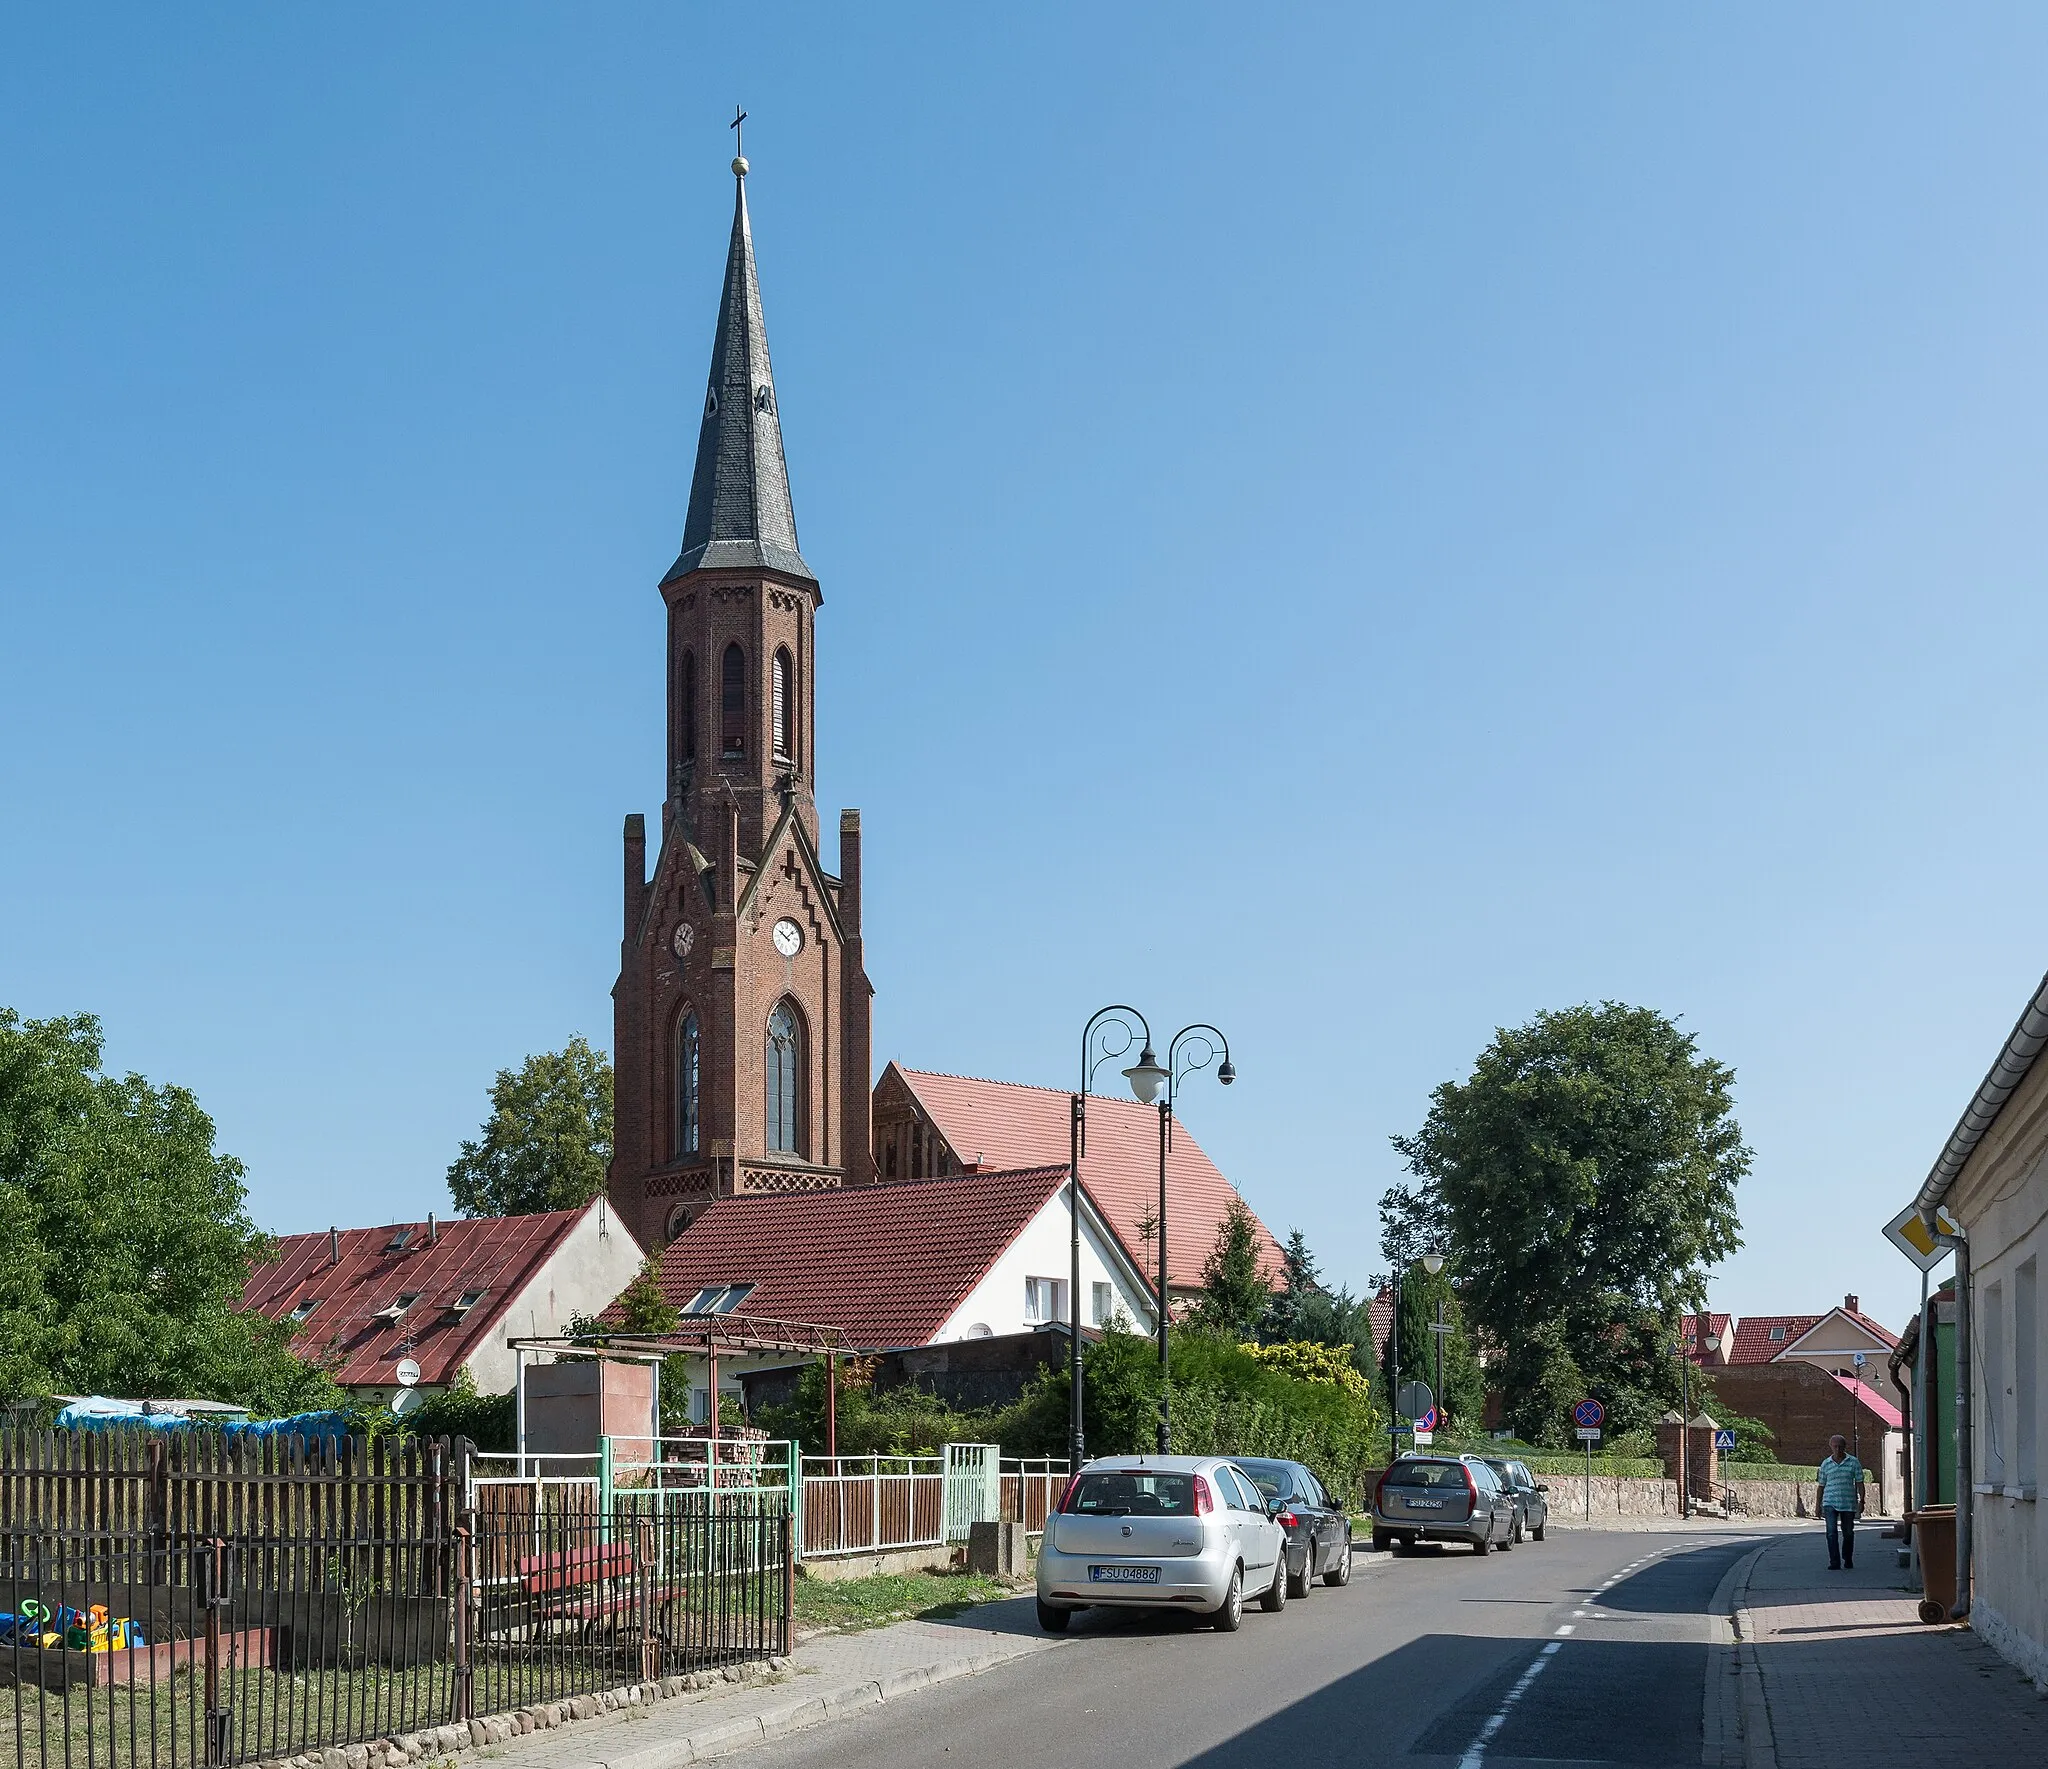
{"x":1443,"y":1499}
{"x":1318,"y":1528}
{"x":1182,"y":1532}
{"x":1532,"y":1496}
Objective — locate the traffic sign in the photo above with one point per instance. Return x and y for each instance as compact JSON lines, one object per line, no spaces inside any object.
{"x":1422,"y":1436}
{"x":1907,"y":1232}
{"x":1414,"y":1400}
{"x":1724,"y":1439}
{"x":1428,"y":1422}
{"x":1589,"y":1434}
{"x":1589,"y":1412}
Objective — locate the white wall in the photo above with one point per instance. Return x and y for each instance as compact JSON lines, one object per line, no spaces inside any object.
{"x":1041,"y":1250}
{"x":596,"y":1260}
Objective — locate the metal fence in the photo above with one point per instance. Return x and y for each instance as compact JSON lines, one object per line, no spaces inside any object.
{"x":166,"y":1602}
{"x":1031,"y":1487}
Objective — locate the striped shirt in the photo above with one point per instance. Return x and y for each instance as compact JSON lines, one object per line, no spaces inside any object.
{"x":1840,"y":1482}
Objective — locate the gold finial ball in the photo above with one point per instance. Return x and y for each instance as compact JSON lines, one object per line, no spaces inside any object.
{"x":739,"y":168}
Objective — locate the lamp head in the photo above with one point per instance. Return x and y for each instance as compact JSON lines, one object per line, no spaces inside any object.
{"x":1432,"y":1263}
{"x":1227,"y":1074}
{"x":1148,"y":1080}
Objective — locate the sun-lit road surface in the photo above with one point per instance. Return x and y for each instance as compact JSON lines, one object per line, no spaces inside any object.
{"x":1585,"y":1649}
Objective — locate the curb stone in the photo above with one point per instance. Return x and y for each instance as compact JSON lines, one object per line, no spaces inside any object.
{"x":1759,"y":1747}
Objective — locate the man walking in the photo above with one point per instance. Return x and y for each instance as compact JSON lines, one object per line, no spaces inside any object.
{"x":1838,"y":1496}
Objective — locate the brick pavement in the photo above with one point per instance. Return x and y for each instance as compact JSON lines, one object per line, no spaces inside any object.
{"x":1840,"y":1673}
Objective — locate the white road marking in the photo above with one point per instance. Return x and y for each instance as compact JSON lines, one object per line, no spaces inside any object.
{"x":1471,"y":1759}
{"x":1566,"y":1629}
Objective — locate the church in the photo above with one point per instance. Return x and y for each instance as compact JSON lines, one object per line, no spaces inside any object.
{"x":742,"y":1010}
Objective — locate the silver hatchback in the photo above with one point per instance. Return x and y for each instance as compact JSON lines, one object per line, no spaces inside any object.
{"x":1182,"y":1532}
{"x":1443,"y":1499}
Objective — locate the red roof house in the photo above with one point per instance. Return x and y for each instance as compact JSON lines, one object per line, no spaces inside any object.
{"x":1828,"y":1340}
{"x":927,"y":1123}
{"x":445,"y":1294}
{"x":908,"y":1263}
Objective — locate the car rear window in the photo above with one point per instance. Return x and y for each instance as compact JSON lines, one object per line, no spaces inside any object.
{"x":1133,"y":1493}
{"x":1274,"y":1479}
{"x":1426,"y":1474}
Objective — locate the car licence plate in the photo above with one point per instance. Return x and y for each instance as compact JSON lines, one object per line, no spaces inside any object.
{"x":1425,"y":1504}
{"x":1123,"y":1575}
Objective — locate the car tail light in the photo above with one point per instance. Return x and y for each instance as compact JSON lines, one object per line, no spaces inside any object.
{"x":1286,"y":1519}
{"x":1066,"y":1498}
{"x":1379,"y":1491}
{"x":1204,"y":1504}
{"x":1472,"y":1487}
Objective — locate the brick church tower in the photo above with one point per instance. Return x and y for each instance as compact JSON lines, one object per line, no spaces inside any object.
{"x":741,"y":1014}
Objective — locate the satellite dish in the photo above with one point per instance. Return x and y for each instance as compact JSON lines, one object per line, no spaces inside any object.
{"x":408,"y":1372}
{"x":407,"y":1400}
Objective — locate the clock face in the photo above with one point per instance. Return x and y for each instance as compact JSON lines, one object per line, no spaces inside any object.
{"x":789,"y":938}
{"x":683,"y":939}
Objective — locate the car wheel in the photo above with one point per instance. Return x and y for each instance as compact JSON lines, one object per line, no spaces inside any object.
{"x":1382,"y":1541}
{"x":1340,"y":1573}
{"x":1485,"y":1542}
{"x":1300,"y":1583}
{"x":1514,"y":1536}
{"x":1052,"y":1618}
{"x":1537,"y":1533}
{"x":1282,"y":1587}
{"x":1228,"y":1617}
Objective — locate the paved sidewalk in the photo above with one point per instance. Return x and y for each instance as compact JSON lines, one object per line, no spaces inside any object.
{"x":1838,"y":1669}
{"x":832,"y":1676}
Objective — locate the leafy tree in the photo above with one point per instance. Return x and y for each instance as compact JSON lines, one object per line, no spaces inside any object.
{"x":490,"y":1421}
{"x":548,"y":1141}
{"x":125,"y":1239}
{"x":1585,"y":1175}
{"x":1234,"y":1295}
{"x":1411,"y":1224}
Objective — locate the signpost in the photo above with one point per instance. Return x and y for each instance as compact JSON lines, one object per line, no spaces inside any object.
{"x":1591,"y":1415}
{"x":1724,"y":1440}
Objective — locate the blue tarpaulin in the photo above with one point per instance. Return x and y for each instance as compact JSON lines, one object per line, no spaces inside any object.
{"x":97,"y":1413}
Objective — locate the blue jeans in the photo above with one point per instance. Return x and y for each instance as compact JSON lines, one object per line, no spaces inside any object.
{"x":1841,"y":1537}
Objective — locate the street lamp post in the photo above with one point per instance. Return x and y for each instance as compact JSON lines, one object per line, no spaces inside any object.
{"x":1147,"y":1079}
{"x":1107,"y":1024}
{"x":1431,"y":1262}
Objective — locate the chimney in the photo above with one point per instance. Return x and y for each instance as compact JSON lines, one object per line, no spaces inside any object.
{"x":433,"y":1231}
{"x":334,"y":1246}
{"x":1849,"y":1302}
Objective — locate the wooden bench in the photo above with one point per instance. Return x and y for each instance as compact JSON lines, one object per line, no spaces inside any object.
{"x":578,"y":1585}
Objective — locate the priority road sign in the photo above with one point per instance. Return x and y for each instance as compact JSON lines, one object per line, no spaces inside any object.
{"x":1589,"y":1412}
{"x":1724,"y":1439}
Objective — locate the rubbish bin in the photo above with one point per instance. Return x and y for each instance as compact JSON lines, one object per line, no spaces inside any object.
{"x":1936,"y":1529}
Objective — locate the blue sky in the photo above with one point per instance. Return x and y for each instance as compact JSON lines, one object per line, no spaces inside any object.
{"x":1353,"y":524}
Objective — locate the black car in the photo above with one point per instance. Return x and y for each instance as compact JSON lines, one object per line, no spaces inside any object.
{"x":1318,"y":1528}
{"x":1531,"y":1496}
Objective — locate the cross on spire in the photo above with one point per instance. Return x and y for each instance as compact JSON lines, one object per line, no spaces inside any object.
{"x":739,"y":135}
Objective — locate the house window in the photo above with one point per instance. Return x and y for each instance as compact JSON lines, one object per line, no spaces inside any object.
{"x":305,"y":1308}
{"x":718,"y":1298}
{"x":1776,"y":1335}
{"x":889,"y":1159}
{"x":686,"y":696}
{"x":785,"y":1081}
{"x":1045,"y":1299}
{"x":2026,"y":1376}
{"x":689,"y":1057}
{"x":785,"y":708}
{"x":1102,"y":1304}
{"x":732,"y":702}
{"x":466,"y":1301}
{"x":1991,"y":1432}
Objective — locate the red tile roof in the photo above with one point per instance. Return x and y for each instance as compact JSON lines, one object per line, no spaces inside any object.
{"x":498,"y":1255}
{"x":1754,"y":1344}
{"x":885,"y":1264}
{"x":1874,"y":1401}
{"x":1004,"y":1124}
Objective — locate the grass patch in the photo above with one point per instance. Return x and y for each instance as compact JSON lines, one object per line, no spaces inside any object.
{"x":891,"y":1596}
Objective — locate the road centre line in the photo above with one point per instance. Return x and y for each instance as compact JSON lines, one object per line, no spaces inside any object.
{"x":1477,"y":1750}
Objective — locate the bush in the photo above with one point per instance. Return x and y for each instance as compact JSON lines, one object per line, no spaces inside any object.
{"x":891,"y":1422}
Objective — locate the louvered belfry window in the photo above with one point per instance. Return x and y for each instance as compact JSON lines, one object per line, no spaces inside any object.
{"x":785,"y":1081}
{"x":785,"y":694}
{"x":732,"y":703}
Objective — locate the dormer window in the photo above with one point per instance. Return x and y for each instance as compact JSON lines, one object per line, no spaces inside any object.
{"x":304,"y":1310}
{"x":465,"y":1302}
{"x":718,"y":1298}
{"x":394,"y":1310}
{"x":1776,"y":1335}
{"x":399,"y":1242}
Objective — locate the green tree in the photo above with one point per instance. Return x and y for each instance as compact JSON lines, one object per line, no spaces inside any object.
{"x":1235,"y":1295}
{"x":1300,"y":1281}
{"x":125,"y":1239}
{"x":548,"y":1141}
{"x":1585,"y":1176}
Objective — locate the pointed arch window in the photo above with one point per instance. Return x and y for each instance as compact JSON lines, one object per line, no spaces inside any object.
{"x":785,"y":1077}
{"x":732,"y":702}
{"x":686,"y":697}
{"x":689,"y":1059}
{"x":785,"y":707}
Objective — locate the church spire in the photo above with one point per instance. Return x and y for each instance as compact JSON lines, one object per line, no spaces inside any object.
{"x":740,"y":514}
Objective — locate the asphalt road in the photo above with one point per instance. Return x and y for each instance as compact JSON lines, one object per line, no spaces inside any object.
{"x":1439,"y":1659}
